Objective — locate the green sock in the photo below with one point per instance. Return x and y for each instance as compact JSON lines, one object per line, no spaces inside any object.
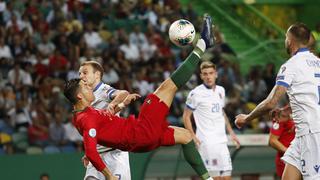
{"x":191,"y":154}
{"x":182,"y":75}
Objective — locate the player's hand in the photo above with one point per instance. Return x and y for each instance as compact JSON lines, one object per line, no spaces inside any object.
{"x":130,"y":98}
{"x":111,"y":108}
{"x":240,"y":120}
{"x":235,"y":140}
{"x":85,"y":161}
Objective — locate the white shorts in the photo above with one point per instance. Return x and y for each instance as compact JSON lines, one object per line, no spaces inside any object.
{"x":304,"y":154}
{"x":118,"y":163}
{"x":216,"y":157}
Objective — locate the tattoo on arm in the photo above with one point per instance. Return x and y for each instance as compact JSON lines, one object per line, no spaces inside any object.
{"x":269,"y":103}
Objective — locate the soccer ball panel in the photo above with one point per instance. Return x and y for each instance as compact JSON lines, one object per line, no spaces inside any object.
{"x":182,"y":32}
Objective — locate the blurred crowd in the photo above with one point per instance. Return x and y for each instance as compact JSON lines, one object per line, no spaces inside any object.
{"x":43,"y":42}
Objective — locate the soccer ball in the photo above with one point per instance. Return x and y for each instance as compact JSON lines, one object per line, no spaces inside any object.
{"x":182,"y":32}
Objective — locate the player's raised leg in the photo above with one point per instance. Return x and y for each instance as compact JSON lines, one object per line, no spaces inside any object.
{"x":180,"y":76}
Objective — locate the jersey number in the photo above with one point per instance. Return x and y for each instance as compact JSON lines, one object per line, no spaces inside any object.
{"x":215,"y":108}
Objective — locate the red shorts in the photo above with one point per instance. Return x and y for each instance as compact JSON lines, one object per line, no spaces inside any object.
{"x":279,"y":164}
{"x":152,"y":129}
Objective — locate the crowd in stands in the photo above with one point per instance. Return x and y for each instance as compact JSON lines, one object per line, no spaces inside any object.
{"x":43,"y":42}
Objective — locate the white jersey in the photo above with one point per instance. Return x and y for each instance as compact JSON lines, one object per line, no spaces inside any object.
{"x":102,"y":93}
{"x":207,"y":106}
{"x":117,"y":161}
{"x":301,"y":75}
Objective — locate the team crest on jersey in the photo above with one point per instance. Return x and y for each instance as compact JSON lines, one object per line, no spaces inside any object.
{"x":92,"y":132}
{"x":275,"y":126}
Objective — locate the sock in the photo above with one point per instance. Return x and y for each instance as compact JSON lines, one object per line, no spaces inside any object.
{"x":182,"y":75}
{"x":193,"y":157}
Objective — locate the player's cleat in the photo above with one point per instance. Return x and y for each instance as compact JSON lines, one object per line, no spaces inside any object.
{"x":206,"y":33}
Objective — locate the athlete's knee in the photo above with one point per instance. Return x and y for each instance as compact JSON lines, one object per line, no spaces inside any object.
{"x":167,"y":85}
{"x":187,"y":137}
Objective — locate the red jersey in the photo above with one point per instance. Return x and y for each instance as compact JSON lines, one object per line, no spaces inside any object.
{"x":149,"y":131}
{"x":286,"y":133}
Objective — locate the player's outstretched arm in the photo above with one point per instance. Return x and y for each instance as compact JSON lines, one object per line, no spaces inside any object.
{"x":117,"y":97}
{"x":264,"y":107}
{"x":126,"y":102}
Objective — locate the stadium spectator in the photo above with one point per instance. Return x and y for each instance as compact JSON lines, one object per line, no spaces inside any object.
{"x":269,"y":76}
{"x":137,"y":38}
{"x":57,"y":131}
{"x":58,"y":64}
{"x":316,"y":34}
{"x":91,"y":36}
{"x":110,"y":76}
{"x":17,"y":77}
{"x":256,"y":87}
{"x":72,"y":135}
{"x":38,"y":131}
{"x":46,"y":47}
{"x":131,"y":51}
{"x":30,"y":39}
{"x":226,"y":77}
{"x":20,"y":114}
{"x":5,"y":52}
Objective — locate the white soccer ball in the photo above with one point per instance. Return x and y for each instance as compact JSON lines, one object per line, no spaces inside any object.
{"x":182,"y":32}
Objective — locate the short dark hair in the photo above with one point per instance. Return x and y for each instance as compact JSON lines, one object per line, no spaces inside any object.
{"x":95,"y":65}
{"x":300,"y":32}
{"x":70,"y":90}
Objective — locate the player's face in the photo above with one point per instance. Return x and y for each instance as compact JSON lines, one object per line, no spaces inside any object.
{"x":209,"y":76}
{"x":88,"y":75}
{"x":86,"y":91}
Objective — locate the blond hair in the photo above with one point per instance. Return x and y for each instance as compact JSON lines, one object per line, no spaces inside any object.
{"x":207,"y":64}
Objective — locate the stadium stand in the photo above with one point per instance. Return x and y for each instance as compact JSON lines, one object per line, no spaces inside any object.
{"x":43,"y":42}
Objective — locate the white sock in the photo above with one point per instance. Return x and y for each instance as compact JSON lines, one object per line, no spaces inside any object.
{"x":210,"y":178}
{"x":201,"y":45}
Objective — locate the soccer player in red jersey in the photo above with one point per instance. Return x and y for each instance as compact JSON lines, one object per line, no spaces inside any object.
{"x":281,"y":134}
{"x":150,"y":129}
